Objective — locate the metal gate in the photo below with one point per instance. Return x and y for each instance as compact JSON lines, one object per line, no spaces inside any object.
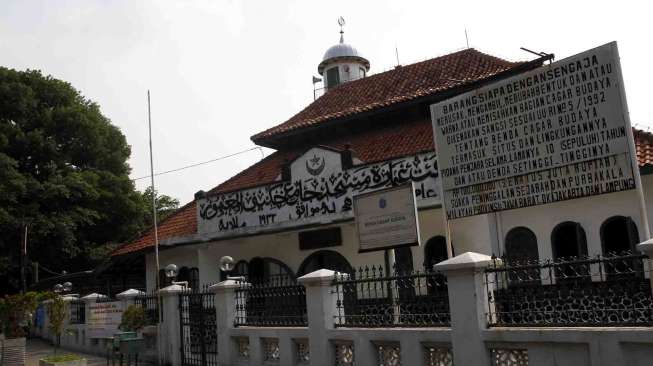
{"x":199,"y":336}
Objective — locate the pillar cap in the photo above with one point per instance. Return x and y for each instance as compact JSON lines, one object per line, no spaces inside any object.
{"x":646,"y":247}
{"x":129,"y":294}
{"x":320,"y":277}
{"x":171,"y":290}
{"x":228,"y":285}
{"x":93,"y":296}
{"x":465,"y":261}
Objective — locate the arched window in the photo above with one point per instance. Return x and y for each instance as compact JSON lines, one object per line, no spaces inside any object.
{"x":435,"y":251}
{"x":191,"y":276}
{"x":325,"y":259}
{"x":619,"y":234}
{"x":403,"y":259}
{"x":521,"y":246}
{"x":520,"y":250}
{"x":264,"y":270}
{"x":568,"y":241}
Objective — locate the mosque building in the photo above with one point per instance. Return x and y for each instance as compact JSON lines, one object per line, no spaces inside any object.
{"x":292,"y":212}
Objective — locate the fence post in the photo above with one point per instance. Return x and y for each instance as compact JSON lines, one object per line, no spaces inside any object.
{"x":646,"y":247}
{"x":468,"y":300}
{"x":128,"y":297}
{"x":168,"y":337}
{"x":90,"y":299}
{"x":225,"y":309}
{"x":321,"y":307}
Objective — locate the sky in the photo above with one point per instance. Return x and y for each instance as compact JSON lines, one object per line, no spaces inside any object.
{"x":220,"y":71}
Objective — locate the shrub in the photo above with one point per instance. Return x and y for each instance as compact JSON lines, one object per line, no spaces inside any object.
{"x":15,"y":311}
{"x":133,"y":319}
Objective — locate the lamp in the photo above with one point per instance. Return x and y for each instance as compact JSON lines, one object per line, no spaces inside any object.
{"x":227,"y":265}
{"x":171,"y":272}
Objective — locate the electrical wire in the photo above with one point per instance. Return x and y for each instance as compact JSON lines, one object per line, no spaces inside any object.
{"x":205,"y":162}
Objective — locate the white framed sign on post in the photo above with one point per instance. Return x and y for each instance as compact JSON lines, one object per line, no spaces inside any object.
{"x":555,"y":133}
{"x":386,"y":219}
{"x":104,"y":319}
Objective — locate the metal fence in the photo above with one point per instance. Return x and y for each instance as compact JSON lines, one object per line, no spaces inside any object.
{"x":371,"y":298}
{"x":150,"y":304}
{"x":602,"y":291}
{"x":199,"y":334}
{"x":276,"y":301}
{"x":77,"y":312}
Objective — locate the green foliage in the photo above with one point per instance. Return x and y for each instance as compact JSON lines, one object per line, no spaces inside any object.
{"x":165,"y":205}
{"x":15,"y":312}
{"x":133,"y":319}
{"x":62,"y":358}
{"x":57,"y":313}
{"x":64,"y":174}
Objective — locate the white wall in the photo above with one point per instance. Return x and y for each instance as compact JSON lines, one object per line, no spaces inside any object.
{"x":284,"y":247}
{"x":184,"y":256}
{"x":475,"y":234}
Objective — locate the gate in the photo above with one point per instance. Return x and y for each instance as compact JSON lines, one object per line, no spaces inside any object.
{"x":199,"y":337}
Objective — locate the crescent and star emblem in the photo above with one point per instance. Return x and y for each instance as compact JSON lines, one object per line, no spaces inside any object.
{"x":316,"y":165}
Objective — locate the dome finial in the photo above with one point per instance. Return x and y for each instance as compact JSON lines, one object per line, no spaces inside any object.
{"x":341,"y":22}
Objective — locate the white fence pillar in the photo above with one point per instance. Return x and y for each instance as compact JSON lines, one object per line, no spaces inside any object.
{"x":646,"y":247}
{"x":128,"y":297}
{"x":169,"y":334}
{"x":467,"y":304}
{"x":225,"y":309}
{"x":321,"y":307}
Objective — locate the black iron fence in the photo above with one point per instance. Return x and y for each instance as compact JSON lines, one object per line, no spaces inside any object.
{"x":602,"y":291}
{"x":199,"y":334}
{"x":77,"y":312}
{"x":150,"y":304}
{"x":370,"y":297}
{"x":275,"y":301}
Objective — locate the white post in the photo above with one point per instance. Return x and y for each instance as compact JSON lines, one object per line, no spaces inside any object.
{"x":646,"y":247}
{"x":170,"y":351}
{"x":128,"y":297}
{"x":225,"y":309}
{"x":467,"y":303}
{"x":321,"y":307}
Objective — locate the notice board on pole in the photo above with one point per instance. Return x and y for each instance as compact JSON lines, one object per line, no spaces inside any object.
{"x":386,"y":219}
{"x":555,"y":133}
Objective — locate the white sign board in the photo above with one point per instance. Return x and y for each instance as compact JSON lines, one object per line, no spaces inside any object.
{"x":308,"y":199}
{"x":554,"y":133}
{"x":386,"y":219}
{"x":104,"y":319}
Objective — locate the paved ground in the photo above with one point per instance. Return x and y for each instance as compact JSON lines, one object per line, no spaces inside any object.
{"x":37,"y":349}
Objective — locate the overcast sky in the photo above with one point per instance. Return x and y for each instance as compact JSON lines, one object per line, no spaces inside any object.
{"x":220,"y":71}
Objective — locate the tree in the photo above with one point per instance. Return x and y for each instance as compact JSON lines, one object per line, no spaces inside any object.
{"x":63,"y":174}
{"x":165,"y":205}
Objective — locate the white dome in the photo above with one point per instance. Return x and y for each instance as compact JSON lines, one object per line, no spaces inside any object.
{"x":342,"y":51}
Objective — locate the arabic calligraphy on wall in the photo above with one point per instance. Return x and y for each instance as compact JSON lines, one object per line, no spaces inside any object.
{"x":302,"y":201}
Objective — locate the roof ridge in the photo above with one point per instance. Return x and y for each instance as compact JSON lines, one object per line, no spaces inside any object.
{"x":393,"y":86}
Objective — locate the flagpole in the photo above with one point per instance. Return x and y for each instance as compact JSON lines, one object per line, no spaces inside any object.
{"x":156,"y":232}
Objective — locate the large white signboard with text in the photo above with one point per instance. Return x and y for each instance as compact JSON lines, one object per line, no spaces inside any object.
{"x":386,"y":219}
{"x":555,"y":133}
{"x":104,"y":319}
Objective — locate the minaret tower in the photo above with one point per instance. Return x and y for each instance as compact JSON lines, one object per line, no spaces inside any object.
{"x":342,"y":63}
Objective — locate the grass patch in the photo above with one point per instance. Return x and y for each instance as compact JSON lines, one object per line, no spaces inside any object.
{"x":62,"y":358}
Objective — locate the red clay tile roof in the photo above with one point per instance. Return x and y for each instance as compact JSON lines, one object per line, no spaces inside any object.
{"x":372,"y":146}
{"x":391,"y":87}
{"x":182,"y":222}
{"x":400,"y":139}
{"x":644,"y":147}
